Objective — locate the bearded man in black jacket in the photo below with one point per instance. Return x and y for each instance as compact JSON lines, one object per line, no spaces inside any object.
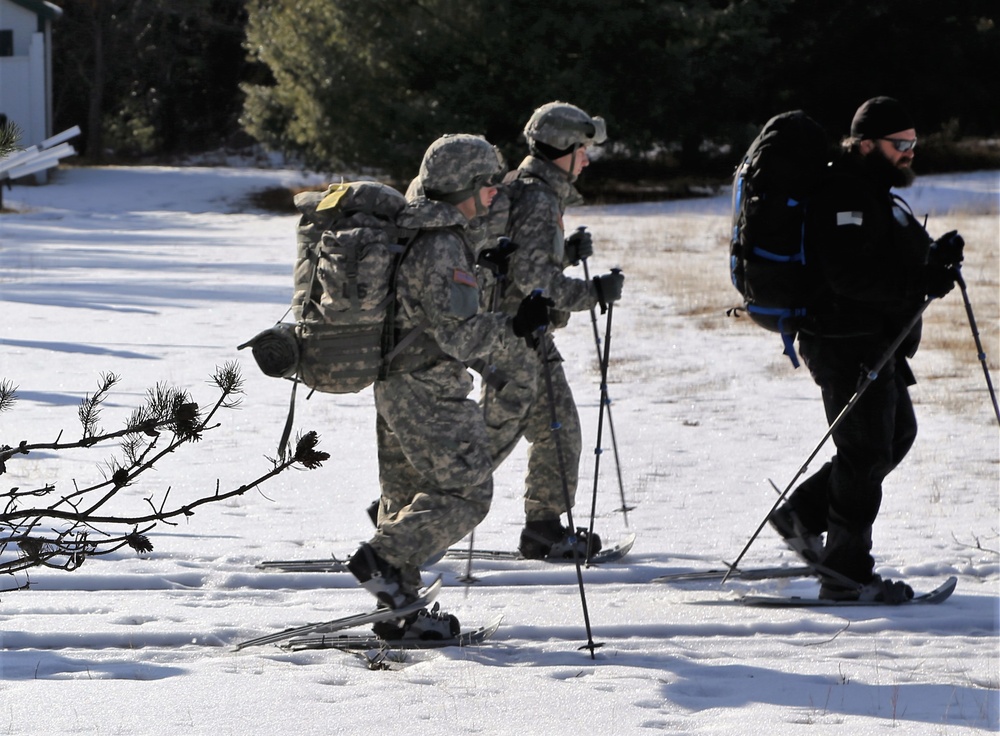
{"x":878,"y":265}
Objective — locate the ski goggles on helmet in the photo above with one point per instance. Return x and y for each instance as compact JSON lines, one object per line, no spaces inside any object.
{"x":596,"y":130}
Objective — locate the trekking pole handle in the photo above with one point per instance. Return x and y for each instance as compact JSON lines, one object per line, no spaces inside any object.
{"x":617,"y":272}
{"x":580,"y":229}
{"x":958,"y":277}
{"x":541,"y":328}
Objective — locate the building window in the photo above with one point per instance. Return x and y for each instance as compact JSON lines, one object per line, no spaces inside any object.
{"x":6,"y":42}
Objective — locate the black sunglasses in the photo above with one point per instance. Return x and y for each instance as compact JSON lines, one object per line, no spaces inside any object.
{"x":902,"y":144}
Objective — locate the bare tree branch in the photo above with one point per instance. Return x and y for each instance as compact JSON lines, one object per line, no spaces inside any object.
{"x":41,"y":528}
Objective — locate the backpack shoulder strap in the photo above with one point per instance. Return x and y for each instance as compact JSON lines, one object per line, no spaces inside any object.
{"x":391,"y":347}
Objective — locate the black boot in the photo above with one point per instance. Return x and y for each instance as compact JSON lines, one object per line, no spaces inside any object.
{"x":804,"y":543}
{"x":846,"y":569}
{"x":427,"y":624}
{"x":876,"y":589}
{"x":549,"y":538}
{"x":380,"y":578}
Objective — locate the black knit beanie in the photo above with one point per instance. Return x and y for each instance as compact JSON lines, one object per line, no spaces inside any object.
{"x":879,"y":117}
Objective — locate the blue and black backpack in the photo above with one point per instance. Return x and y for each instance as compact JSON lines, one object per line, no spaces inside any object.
{"x":768,"y":262}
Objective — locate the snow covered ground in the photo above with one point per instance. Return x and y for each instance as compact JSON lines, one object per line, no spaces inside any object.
{"x":158,"y":273}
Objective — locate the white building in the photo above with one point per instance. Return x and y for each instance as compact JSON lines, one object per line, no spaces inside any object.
{"x":26,"y":66}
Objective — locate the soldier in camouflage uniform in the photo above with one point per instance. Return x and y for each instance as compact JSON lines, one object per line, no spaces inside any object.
{"x":529,"y":210}
{"x":435,"y":466}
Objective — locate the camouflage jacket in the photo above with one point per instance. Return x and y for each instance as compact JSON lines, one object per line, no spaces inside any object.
{"x":529,"y":210}
{"x":436,"y":286}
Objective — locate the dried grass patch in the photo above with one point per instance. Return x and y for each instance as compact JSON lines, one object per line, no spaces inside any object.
{"x":676,"y":269}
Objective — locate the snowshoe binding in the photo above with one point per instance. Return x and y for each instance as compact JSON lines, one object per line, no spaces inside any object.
{"x":877,"y":589}
{"x":800,"y":540}
{"x":426,"y":624}
{"x":549,"y":539}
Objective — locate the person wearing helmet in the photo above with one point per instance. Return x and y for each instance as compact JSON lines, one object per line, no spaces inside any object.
{"x":435,"y":467}
{"x":529,"y":210}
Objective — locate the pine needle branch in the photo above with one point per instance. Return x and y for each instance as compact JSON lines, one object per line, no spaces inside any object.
{"x":46,"y":529}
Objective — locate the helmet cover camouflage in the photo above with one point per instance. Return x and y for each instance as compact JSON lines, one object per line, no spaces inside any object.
{"x":455,"y":166}
{"x":563,"y":126}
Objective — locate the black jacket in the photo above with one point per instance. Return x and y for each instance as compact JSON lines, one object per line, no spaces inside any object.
{"x":870,"y":254}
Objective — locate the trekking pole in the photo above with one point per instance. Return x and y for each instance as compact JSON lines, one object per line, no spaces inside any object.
{"x":979,"y":343}
{"x":468,"y":578}
{"x":870,"y":376}
{"x":605,"y":405}
{"x":542,"y":348}
{"x":499,"y":278}
{"x":605,"y":402}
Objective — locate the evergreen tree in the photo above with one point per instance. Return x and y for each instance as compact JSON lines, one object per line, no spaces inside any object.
{"x":370,"y":83}
{"x":148,"y":77}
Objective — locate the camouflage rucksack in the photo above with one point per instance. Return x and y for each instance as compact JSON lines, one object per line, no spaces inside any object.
{"x":349,"y":250}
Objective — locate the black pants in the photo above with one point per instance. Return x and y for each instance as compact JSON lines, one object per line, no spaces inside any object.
{"x":843,"y":497}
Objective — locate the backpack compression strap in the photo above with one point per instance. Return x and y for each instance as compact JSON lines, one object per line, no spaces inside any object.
{"x":782,"y":314}
{"x":283,"y":442}
{"x":408,"y":339}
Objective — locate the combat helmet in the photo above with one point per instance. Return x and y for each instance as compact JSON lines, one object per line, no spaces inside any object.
{"x":456,"y":166}
{"x":559,"y":128}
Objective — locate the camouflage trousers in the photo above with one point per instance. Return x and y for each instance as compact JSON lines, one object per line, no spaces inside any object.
{"x":522,"y":409}
{"x":435,"y":468}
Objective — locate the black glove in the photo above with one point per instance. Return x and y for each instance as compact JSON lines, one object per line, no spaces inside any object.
{"x":532,"y":313}
{"x":940,"y":280}
{"x":609,"y":288}
{"x":497,"y":259}
{"x":947,"y":250}
{"x":579,"y":246}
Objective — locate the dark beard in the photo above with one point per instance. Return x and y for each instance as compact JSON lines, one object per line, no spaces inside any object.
{"x":883,"y":170}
